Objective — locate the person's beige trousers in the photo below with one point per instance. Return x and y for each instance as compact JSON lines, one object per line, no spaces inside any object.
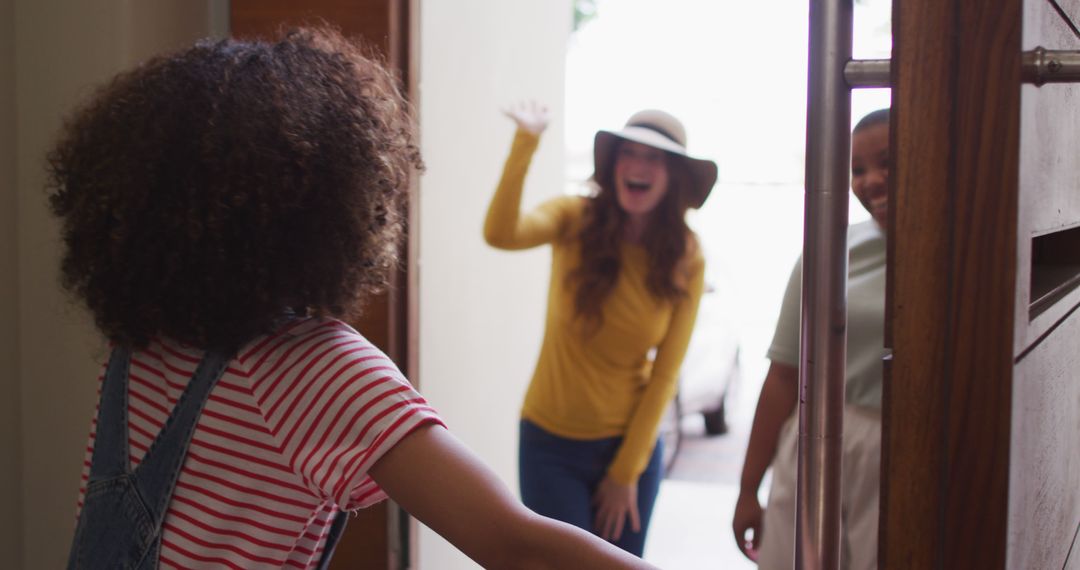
{"x":861,"y":488}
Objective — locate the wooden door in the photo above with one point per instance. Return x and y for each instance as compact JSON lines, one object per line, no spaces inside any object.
{"x":981,"y":434}
{"x":379,"y":536}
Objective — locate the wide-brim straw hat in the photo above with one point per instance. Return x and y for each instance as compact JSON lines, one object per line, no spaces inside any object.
{"x":659,"y":130}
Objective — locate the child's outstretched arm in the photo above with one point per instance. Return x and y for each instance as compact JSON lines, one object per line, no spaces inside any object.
{"x":444,"y":485}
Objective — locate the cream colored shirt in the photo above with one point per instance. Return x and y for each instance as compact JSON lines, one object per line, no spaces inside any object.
{"x":865,"y":321}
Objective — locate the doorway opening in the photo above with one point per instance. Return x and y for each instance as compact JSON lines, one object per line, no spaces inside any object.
{"x":735,"y":75}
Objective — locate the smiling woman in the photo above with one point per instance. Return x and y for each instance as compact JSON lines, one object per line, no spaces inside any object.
{"x":641,"y":178}
{"x":627,"y":277}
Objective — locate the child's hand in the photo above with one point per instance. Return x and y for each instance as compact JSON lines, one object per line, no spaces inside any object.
{"x":529,"y":116}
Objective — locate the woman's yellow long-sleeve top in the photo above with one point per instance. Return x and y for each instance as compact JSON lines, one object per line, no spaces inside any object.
{"x":603,"y":384}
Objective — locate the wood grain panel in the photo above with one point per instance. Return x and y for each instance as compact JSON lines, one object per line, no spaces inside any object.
{"x":1071,"y":9}
{"x":1044,"y":498}
{"x":979,"y":380}
{"x":369,"y":19}
{"x":952,"y":290}
{"x":1044,"y":502}
{"x":1049,"y":173}
{"x":1073,"y":562}
{"x":924,"y":64}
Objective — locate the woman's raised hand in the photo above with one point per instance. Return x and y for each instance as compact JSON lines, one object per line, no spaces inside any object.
{"x":529,"y":116}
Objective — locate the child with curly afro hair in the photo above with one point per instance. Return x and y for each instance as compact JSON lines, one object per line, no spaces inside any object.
{"x":223,"y":209}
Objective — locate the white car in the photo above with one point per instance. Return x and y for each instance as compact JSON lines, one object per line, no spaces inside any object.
{"x":709,"y":370}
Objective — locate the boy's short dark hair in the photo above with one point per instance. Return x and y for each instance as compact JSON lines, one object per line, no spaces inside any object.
{"x":205,"y":194}
{"x":879,"y":117}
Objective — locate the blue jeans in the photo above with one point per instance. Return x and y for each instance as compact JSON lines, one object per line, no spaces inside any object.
{"x":558,"y":477}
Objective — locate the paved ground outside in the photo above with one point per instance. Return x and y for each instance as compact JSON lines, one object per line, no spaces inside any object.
{"x":691,"y":525}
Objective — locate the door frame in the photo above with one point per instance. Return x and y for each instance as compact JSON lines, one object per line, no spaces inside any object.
{"x":951,"y":283}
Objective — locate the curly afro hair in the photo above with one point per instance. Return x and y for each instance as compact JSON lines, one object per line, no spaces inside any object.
{"x":206,"y":194}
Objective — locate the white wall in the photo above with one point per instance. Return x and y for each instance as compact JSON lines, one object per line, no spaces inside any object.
{"x":62,"y":48}
{"x":481,"y":310}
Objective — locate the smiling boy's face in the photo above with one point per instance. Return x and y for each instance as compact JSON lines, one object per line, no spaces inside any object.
{"x":870,"y":170}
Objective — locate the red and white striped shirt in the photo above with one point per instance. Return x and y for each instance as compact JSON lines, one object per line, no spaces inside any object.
{"x":285,"y":440}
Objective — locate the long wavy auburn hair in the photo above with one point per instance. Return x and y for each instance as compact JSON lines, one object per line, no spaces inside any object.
{"x":666,"y":239}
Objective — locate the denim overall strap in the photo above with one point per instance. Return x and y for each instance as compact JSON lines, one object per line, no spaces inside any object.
{"x":156,"y":476}
{"x":123,"y":511}
{"x":337,"y":529}
{"x":112,"y":426}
